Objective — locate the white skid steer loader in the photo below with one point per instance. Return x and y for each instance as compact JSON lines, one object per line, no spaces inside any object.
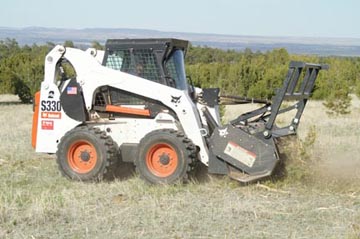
{"x":132,"y":103}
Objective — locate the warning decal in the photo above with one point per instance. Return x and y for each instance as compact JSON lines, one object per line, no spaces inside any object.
{"x":240,"y":154}
{"x":51,"y":115}
{"x":47,"y":124}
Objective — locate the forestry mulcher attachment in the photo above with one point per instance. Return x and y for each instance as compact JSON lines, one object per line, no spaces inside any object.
{"x":133,"y":103}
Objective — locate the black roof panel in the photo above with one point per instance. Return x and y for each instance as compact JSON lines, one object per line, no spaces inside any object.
{"x":155,"y":43}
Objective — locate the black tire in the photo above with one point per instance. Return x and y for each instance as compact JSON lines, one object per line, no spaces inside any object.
{"x":165,"y":156}
{"x":86,"y":154}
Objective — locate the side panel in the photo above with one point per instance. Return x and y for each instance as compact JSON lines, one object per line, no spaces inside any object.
{"x":132,"y":130}
{"x":53,"y":122}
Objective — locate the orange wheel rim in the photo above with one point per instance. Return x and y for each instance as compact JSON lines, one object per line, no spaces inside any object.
{"x":162,"y":160}
{"x":82,"y":156}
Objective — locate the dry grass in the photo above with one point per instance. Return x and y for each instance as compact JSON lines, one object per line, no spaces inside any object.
{"x":9,"y":98}
{"x":36,"y":202}
{"x":335,"y":152}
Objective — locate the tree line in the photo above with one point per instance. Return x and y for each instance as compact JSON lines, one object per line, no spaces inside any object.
{"x":258,"y":74}
{"x":244,"y":73}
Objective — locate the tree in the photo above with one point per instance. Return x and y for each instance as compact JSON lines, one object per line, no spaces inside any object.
{"x":22,"y":70}
{"x":68,"y":43}
{"x":97,"y":45}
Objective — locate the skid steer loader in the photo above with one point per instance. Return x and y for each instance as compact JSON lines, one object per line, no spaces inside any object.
{"x":133,"y":103}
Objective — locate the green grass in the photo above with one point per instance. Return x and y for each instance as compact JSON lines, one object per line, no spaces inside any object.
{"x":36,"y":202}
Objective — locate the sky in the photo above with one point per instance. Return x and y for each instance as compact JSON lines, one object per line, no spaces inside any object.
{"x":299,"y":18}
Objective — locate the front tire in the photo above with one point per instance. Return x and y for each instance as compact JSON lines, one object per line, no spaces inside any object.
{"x":165,"y":156}
{"x":86,"y":154}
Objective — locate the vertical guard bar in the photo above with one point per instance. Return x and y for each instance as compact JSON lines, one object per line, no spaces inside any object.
{"x":310,"y":85}
{"x":294,"y":81}
{"x":277,"y":100}
{"x":308,"y":89}
{"x":305,"y":81}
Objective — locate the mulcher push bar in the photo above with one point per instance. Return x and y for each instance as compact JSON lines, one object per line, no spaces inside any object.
{"x":298,"y":86}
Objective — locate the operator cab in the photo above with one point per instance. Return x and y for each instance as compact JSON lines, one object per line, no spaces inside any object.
{"x":158,"y":60}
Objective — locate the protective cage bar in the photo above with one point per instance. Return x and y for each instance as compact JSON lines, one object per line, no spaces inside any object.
{"x":298,"y":86}
{"x":289,"y":91}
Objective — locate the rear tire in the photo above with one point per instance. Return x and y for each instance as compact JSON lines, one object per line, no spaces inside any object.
{"x":165,"y":157}
{"x":86,"y":154}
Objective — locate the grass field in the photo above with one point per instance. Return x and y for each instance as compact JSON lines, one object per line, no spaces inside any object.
{"x":323,"y":202}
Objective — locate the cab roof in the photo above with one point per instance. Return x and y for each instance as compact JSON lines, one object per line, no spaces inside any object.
{"x":147,"y":43}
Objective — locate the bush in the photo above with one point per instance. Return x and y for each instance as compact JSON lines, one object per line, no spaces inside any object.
{"x":338,"y":106}
{"x":297,"y":158}
{"x":23,"y":91}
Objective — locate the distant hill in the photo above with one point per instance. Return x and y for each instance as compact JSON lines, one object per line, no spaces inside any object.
{"x":84,"y":37}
